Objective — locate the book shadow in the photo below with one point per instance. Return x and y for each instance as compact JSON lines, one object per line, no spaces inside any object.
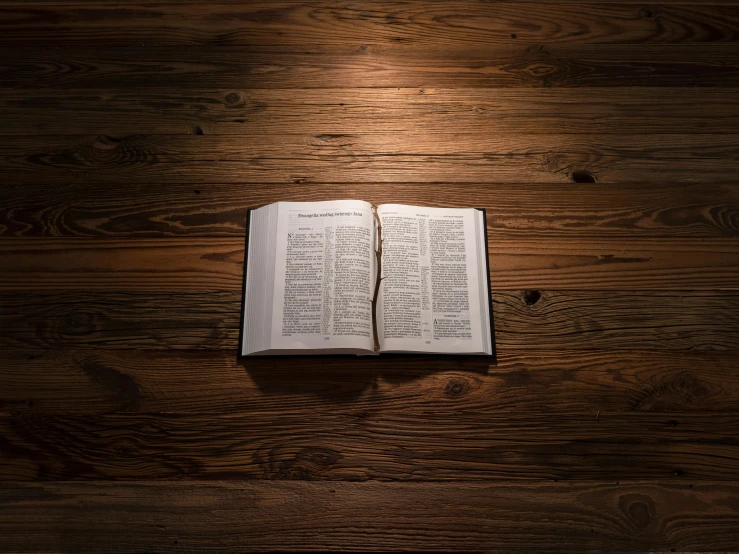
{"x":342,"y":379}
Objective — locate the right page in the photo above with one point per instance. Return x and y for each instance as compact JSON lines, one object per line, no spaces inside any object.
{"x":434,"y":292}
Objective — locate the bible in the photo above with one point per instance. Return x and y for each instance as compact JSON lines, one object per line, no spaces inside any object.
{"x":347,"y":277}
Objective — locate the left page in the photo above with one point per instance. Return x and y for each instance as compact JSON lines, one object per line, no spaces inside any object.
{"x":324,"y":277}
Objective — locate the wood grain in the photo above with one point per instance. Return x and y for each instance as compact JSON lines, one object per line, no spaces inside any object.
{"x":398,"y":64}
{"x":183,"y":3}
{"x":367,"y":445}
{"x":207,"y":264}
{"x":169,"y":517}
{"x":86,"y":380}
{"x":482,"y":157}
{"x":134,"y":137}
{"x":558,"y":320}
{"x":618,"y":110}
{"x":629,"y":210}
{"x":304,"y":23}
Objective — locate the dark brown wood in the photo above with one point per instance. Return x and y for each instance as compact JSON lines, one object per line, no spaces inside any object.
{"x":369,"y":445}
{"x":184,"y":3}
{"x":601,"y":137}
{"x":561,"y":380}
{"x":206,"y":264}
{"x":384,"y":64}
{"x":169,"y":517}
{"x":209,"y":320}
{"x":487,"y":157}
{"x":304,"y":23}
{"x":144,"y":209}
{"x":619,"y":110}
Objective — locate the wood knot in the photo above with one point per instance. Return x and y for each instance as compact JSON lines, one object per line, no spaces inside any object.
{"x":582,"y":176}
{"x":456,"y":388}
{"x":123,"y":385}
{"x":647,"y":13}
{"x":552,"y":162}
{"x":331,"y":138}
{"x":531,"y":297}
{"x":104,"y":142}
{"x":309,"y":462}
{"x":538,"y":50}
{"x":234,"y":100}
{"x":674,"y":393}
{"x":639,"y":508}
{"x":126,"y":447}
{"x":78,"y":324}
{"x":639,"y":512}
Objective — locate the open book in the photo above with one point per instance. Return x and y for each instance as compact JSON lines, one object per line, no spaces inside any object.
{"x":346,"y":277}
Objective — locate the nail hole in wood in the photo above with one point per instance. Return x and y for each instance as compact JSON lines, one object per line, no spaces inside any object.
{"x":678,"y":472}
{"x":196,"y":130}
{"x":582,"y":176}
{"x":197,"y":191}
{"x":514,"y":35}
{"x":673,"y":423}
{"x":531,"y":297}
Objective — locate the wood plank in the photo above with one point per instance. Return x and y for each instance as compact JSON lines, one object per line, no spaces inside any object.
{"x":207,"y":264}
{"x":666,"y":320}
{"x":76,"y":3}
{"x":620,"y":110}
{"x":144,"y":209}
{"x":95,"y":381}
{"x":169,"y":517}
{"x":374,"y":65}
{"x":479,"y":157}
{"x":630,"y":210}
{"x":207,"y":321}
{"x":305,"y":23}
{"x":558,"y":320}
{"x":367,"y":445}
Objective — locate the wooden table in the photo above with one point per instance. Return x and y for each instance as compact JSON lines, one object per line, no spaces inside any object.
{"x":603,"y":139}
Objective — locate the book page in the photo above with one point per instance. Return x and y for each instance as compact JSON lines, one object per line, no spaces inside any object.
{"x":431,"y":297}
{"x":324,"y":276}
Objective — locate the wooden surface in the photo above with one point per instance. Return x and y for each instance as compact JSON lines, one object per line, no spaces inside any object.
{"x":603,"y":140}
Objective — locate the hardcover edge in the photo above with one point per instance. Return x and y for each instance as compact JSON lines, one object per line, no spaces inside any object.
{"x":240,"y":355}
{"x":493,"y":353}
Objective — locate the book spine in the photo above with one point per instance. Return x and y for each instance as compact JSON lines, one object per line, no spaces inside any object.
{"x":378,"y":279}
